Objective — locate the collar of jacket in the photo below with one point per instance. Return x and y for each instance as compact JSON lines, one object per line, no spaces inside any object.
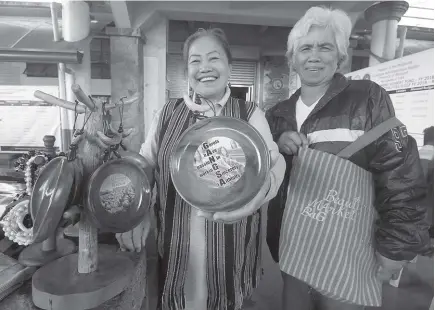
{"x":287,"y":108}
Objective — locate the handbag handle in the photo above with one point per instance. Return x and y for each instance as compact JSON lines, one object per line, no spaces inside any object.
{"x":369,"y":137}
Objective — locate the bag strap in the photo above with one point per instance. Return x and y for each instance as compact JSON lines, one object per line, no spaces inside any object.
{"x":369,"y":137}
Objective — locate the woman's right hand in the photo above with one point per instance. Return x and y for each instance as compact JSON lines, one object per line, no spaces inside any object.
{"x":290,"y":141}
{"x":135,"y":239}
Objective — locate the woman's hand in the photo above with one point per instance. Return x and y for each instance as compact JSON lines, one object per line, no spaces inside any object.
{"x":290,"y":141}
{"x":388,"y":268}
{"x":135,"y":239}
{"x":250,"y":208}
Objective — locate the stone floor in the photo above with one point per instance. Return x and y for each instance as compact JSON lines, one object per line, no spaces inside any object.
{"x":415,"y":291}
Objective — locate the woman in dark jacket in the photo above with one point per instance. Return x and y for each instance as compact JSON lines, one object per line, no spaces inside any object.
{"x":328,"y":113}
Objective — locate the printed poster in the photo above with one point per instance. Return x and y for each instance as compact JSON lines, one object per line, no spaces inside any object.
{"x":25,"y":119}
{"x":275,"y":81}
{"x":410,"y":83}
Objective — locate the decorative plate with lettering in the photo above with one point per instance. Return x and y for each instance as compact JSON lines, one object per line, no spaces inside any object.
{"x":220,"y":161}
{"x":118,"y":195}
{"x":219,"y":164}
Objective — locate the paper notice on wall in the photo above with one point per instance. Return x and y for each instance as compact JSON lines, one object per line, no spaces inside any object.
{"x":25,"y":120}
{"x":410,"y":83}
{"x":275,"y":81}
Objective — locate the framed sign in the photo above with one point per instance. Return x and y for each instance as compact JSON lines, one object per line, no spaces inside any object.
{"x":25,"y":120}
{"x":410,"y":83}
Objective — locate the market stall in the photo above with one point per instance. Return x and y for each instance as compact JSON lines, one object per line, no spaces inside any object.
{"x":97,"y":183}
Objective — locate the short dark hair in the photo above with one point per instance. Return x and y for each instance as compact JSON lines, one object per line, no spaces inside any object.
{"x":428,"y":135}
{"x":215,"y":33}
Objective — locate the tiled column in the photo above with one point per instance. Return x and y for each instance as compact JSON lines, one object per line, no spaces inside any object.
{"x":384,"y":18}
{"x":126,"y":52}
{"x":154,"y":53}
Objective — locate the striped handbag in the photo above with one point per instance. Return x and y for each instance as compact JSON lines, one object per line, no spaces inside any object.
{"x":328,"y":223}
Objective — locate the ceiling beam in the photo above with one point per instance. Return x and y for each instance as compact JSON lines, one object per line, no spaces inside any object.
{"x":148,"y":20}
{"x":120,"y":14}
{"x":274,"y":13}
{"x":191,"y":26}
{"x":263,"y":29}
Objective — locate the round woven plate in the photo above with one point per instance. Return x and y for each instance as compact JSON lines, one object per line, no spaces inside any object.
{"x":219,"y":164}
{"x":50,"y":197}
{"x":117,"y":196}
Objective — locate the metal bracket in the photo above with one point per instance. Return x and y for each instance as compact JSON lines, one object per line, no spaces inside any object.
{"x":125,"y":32}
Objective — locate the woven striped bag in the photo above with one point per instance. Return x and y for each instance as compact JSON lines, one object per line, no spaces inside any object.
{"x":328,"y":223}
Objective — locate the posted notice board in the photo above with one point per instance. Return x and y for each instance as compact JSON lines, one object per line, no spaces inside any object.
{"x":410,"y":83}
{"x":25,"y":120}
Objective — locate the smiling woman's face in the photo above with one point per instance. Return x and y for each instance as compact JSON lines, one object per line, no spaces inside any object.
{"x":208,"y":69}
{"x":316,"y":57}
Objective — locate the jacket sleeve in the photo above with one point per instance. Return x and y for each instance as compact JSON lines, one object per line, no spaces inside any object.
{"x":402,"y":231}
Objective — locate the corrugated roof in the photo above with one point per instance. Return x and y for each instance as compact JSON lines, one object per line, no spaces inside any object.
{"x":419,"y":14}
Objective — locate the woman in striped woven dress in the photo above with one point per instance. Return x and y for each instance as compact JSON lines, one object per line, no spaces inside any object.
{"x":206,"y":261}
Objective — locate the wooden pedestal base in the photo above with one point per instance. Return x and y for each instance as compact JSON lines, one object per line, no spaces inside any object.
{"x":59,"y":286}
{"x":35,"y":255}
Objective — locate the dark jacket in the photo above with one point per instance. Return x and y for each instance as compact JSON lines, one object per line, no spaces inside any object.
{"x":356,"y":106}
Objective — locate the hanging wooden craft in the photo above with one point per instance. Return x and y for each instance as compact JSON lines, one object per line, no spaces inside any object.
{"x":90,"y":279}
{"x":57,"y":187}
{"x":118,"y":193}
{"x":17,"y":223}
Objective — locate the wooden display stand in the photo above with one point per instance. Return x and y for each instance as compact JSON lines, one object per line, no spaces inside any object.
{"x":84,"y":280}
{"x":39,"y":254}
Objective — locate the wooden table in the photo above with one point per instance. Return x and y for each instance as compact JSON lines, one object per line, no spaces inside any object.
{"x":140,"y":295}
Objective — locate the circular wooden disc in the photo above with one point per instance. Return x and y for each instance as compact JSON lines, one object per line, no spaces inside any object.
{"x":50,"y":196}
{"x":33,"y":255}
{"x":219,"y":164}
{"x":117,"y":196}
{"x":59,"y":286}
{"x":138,"y":160}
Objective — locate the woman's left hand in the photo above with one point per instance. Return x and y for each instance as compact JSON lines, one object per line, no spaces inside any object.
{"x":388,"y":268}
{"x":231,"y":217}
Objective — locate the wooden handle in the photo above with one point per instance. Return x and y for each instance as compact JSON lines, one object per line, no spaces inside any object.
{"x":77,"y":139}
{"x":58,"y":102}
{"x":125,"y":102}
{"x":132,"y":99}
{"x":49,"y":144}
{"x":81,"y":96}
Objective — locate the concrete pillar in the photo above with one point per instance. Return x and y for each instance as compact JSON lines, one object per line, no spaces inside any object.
{"x":75,"y":20}
{"x":126,"y":52}
{"x":384,"y":18}
{"x":155,"y":52}
{"x":80,"y":74}
{"x":75,"y":28}
{"x":346,"y":66}
{"x":402,"y":30}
